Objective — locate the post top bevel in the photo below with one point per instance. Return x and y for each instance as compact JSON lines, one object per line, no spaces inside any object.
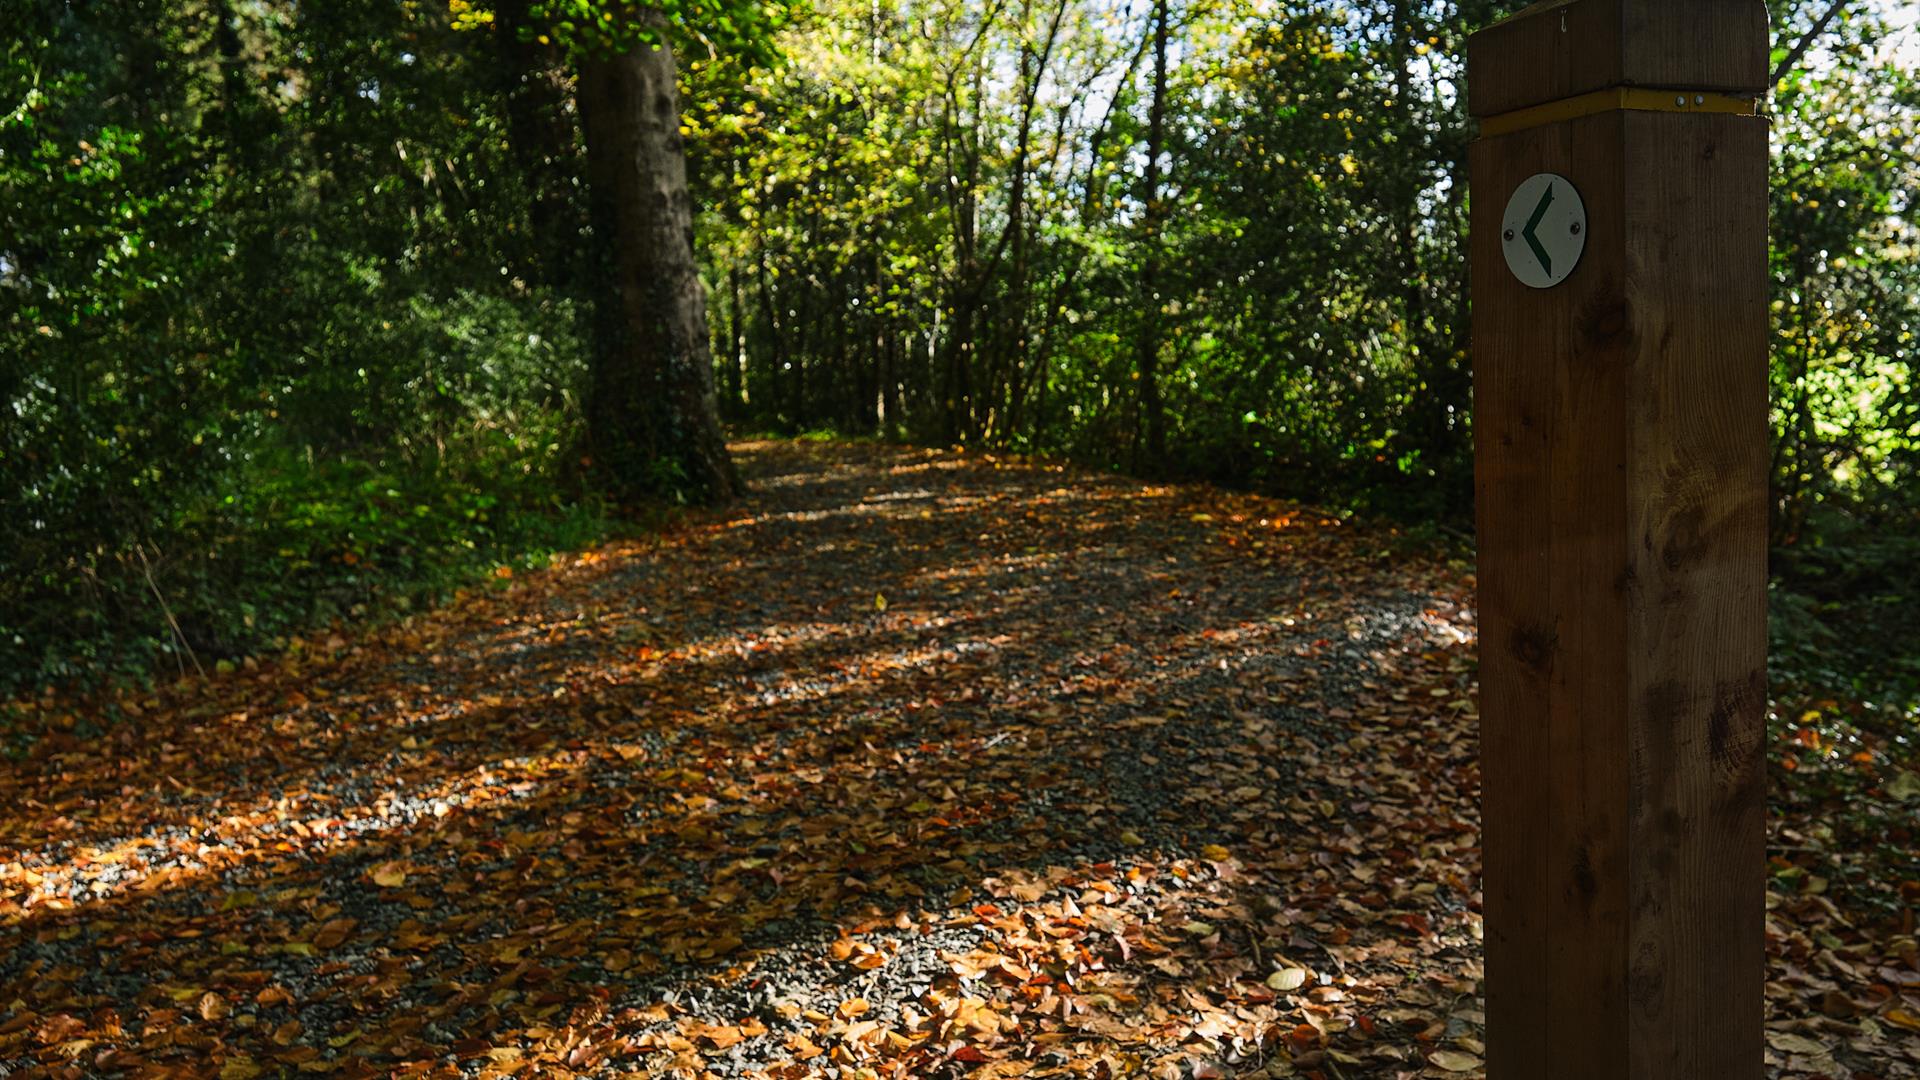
{"x":1561,"y":48}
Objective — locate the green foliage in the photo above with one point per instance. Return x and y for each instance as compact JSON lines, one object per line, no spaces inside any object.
{"x":740,"y":29}
{"x":930,"y":223}
{"x":309,"y":543}
{"x":1846,"y":304}
{"x":1844,"y":607}
{"x":275,"y":345}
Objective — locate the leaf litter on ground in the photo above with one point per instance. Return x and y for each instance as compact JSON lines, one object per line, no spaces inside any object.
{"x":912,"y":764}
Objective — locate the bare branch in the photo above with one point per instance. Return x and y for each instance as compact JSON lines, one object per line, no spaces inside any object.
{"x":1806,"y":42}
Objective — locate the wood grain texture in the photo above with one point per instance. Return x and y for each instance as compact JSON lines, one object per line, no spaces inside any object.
{"x":1621,"y":435}
{"x":1550,"y":391}
{"x":1697,"y":295}
{"x":1566,"y":47}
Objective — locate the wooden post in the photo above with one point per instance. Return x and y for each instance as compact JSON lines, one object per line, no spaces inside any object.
{"x":1620,"y":421}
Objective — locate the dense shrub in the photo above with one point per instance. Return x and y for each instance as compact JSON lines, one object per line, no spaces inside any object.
{"x":277,"y":347}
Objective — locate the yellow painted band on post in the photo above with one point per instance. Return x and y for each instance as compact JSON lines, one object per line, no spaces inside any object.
{"x":1615,"y":99}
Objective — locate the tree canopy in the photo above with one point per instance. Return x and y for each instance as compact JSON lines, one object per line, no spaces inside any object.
{"x":303,"y":305}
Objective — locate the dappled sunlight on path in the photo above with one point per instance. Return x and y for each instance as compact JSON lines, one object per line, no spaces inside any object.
{"x":915,"y":762}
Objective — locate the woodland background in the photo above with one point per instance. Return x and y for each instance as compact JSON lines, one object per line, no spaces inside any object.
{"x":299,"y":299}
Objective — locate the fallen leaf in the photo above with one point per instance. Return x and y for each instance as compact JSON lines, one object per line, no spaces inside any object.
{"x":1788,"y":1043}
{"x":1286,"y":979}
{"x":1899,"y":1017}
{"x":1455,"y":1061}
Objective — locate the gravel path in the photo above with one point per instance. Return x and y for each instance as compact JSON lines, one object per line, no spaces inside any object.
{"x":913,"y":764}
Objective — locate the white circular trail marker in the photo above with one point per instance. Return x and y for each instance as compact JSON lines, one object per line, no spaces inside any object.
{"x":1544,"y":230}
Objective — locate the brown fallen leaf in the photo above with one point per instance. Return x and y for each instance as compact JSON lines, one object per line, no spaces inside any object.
{"x":1788,"y":1043}
{"x":334,"y":933}
{"x":1455,"y":1061}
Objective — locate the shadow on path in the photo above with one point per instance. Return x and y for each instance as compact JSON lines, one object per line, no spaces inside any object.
{"x":913,"y":762}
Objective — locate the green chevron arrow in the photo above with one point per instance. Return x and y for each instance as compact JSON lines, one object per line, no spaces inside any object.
{"x":1533,"y":239}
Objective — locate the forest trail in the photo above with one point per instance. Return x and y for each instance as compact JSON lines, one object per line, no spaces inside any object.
{"x":913,"y":762}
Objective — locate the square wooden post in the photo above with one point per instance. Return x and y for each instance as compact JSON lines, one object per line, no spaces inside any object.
{"x":1621,"y":431}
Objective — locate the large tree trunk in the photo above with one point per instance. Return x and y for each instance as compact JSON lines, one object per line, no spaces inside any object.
{"x":652,"y":411}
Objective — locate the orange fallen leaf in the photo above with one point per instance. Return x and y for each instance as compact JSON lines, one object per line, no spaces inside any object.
{"x":860,"y":1031}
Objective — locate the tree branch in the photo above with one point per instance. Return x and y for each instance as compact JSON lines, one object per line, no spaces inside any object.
{"x":1806,"y":42}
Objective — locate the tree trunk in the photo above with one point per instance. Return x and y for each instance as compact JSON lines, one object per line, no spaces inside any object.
{"x":736,"y":341}
{"x":776,"y":332}
{"x":1432,"y":354}
{"x":652,"y":419}
{"x":957,"y":395}
{"x":889,"y":352}
{"x":540,"y":136}
{"x":1147,"y":355}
